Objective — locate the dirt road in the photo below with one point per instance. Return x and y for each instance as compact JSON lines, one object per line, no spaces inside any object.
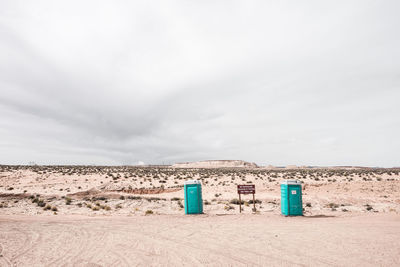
{"x":230,"y":240}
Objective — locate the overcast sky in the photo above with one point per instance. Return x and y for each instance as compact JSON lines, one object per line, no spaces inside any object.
{"x":272,"y":82}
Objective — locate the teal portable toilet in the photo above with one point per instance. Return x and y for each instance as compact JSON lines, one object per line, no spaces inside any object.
{"x":291,"y":198}
{"x":193,"y":199}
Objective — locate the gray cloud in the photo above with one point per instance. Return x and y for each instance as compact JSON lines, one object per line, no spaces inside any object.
{"x":276,"y":83}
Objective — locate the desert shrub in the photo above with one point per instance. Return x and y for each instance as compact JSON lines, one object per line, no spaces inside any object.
{"x":41,"y":203}
{"x":175,"y":199}
{"x":235,"y":201}
{"x":68,"y":201}
{"x":134,"y":197}
{"x":54,"y":208}
{"x":122,"y":197}
{"x":47,"y":207}
{"x":107,"y":208}
{"x":118,"y":206}
{"x":154,"y":199}
{"x":308,"y":204}
{"x":332,"y":205}
{"x":95,"y":208}
{"x":229,"y":207}
{"x":206,"y":202}
{"x":257,"y":201}
{"x":148,"y":212}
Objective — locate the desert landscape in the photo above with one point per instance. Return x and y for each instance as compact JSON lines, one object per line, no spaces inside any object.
{"x":199,"y":133}
{"x":134,"y":215}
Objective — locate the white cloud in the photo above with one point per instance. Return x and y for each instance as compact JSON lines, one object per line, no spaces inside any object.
{"x":123,"y":82}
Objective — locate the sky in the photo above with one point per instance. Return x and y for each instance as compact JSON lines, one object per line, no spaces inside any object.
{"x":158,"y":82}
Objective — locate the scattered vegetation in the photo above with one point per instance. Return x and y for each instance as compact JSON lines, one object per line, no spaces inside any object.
{"x":68,"y":201}
{"x":148,"y":212}
{"x":257,"y":201}
{"x":236,"y":201}
{"x":229,"y":207}
{"x":123,"y":178}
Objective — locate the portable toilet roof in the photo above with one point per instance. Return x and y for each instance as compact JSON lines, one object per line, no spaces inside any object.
{"x":290,"y":182}
{"x":192,"y":182}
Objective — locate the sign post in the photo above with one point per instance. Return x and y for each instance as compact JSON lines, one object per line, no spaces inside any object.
{"x":246,"y":189}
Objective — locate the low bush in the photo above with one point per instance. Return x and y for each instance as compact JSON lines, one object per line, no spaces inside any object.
{"x":235,"y":201}
{"x":68,"y":201}
{"x":41,"y":203}
{"x":134,"y":197}
{"x":256,"y":201}
{"x":229,"y":207}
{"x":148,"y":212}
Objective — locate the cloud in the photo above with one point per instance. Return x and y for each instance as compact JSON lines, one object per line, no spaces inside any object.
{"x":125,"y":82}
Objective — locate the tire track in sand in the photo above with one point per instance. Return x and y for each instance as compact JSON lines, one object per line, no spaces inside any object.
{"x":28,"y":245}
{"x":4,"y":261}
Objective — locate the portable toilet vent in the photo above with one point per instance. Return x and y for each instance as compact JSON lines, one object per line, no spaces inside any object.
{"x":291,"y":198}
{"x":193,"y":199}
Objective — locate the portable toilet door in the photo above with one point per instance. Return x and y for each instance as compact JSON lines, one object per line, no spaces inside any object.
{"x":291,"y":198}
{"x":193,"y":197}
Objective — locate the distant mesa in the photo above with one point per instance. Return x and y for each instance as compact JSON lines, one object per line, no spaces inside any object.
{"x":216,"y":164}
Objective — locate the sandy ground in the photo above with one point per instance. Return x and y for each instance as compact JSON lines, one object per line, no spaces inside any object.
{"x":96,"y":216}
{"x":172,"y":240}
{"x":133,"y":191}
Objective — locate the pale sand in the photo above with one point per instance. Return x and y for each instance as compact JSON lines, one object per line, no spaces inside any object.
{"x":171,"y":240}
